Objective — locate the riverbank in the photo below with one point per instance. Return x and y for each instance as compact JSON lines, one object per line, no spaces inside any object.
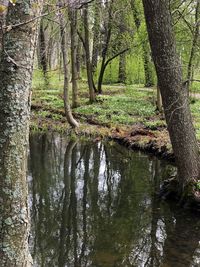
{"x":126,"y":114}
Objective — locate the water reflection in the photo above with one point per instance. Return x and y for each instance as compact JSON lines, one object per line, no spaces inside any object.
{"x":93,"y":204}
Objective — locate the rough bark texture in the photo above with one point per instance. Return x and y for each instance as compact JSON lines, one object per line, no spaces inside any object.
{"x":174,"y":93}
{"x":42,"y":50}
{"x":15,"y":83}
{"x":3,"y":4}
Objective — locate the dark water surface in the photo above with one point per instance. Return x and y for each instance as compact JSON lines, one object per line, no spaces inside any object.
{"x":93,"y":204}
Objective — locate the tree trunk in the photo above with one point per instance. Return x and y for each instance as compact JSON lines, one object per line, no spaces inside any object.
{"x":96,"y":35}
{"x":42,"y":51}
{"x":73,"y":30}
{"x":122,"y":68}
{"x":78,"y":59}
{"x":174,"y":93}
{"x":87,"y":52}
{"x":146,"y":55}
{"x":194,"y":44}
{"x":147,"y":65}
{"x":68,"y":112}
{"x":4,"y":5}
{"x":159,"y":100}
{"x":16,"y":75}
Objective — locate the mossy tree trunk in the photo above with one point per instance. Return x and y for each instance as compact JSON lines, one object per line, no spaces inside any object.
{"x":15,"y":83}
{"x":173,"y":91}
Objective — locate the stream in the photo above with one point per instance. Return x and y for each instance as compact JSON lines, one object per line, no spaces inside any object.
{"x":93,"y":204}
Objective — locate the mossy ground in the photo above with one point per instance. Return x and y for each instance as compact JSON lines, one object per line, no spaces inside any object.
{"x":119,"y":111}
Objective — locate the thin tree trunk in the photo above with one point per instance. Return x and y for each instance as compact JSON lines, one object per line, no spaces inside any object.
{"x":173,"y":91}
{"x":96,"y":35}
{"x":159,"y":100}
{"x":16,"y":74}
{"x":194,"y":44}
{"x":87,"y":52}
{"x":73,"y":30}
{"x":42,"y":51}
{"x":68,"y":112}
{"x":146,"y":55}
{"x":122,"y":68}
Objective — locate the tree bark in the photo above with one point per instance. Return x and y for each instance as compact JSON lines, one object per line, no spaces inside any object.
{"x":174,"y":93}
{"x":15,"y":83}
{"x":146,"y":55}
{"x":42,"y":51}
{"x":73,"y":30}
{"x":194,"y":44}
{"x":87,"y":52}
{"x":68,"y":112}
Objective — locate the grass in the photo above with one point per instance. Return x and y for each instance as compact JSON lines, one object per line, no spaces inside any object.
{"x":117,"y":106}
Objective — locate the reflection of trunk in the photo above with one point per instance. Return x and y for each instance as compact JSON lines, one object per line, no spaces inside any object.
{"x":85,"y":192}
{"x":87,"y":52}
{"x":67,"y":207}
{"x":16,"y":75}
{"x":182,"y":239}
{"x":194,"y":44}
{"x":73,"y":25}
{"x":68,"y":112}
{"x":154,"y":251}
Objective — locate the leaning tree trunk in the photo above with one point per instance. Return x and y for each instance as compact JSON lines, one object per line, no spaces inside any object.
{"x":15,"y":83}
{"x":173,"y":91}
{"x":68,"y":112}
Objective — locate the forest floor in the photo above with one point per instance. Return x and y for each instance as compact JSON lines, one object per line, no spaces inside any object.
{"x":126,"y":114}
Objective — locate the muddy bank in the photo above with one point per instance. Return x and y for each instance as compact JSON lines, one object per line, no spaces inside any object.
{"x":136,"y":137}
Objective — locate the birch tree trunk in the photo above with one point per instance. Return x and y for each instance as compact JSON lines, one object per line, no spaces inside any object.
{"x":15,"y":83}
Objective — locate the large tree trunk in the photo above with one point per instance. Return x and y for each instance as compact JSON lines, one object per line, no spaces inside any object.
{"x":15,"y":83}
{"x":173,"y":91}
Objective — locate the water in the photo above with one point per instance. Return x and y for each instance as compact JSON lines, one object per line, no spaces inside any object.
{"x":93,"y":204}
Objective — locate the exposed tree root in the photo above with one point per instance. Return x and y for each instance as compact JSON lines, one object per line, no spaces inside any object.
{"x":189,"y":197}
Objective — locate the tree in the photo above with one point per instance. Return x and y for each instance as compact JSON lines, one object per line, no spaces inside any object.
{"x":68,"y":112}
{"x":16,"y":74}
{"x":173,"y":91}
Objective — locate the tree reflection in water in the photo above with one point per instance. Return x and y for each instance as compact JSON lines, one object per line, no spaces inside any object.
{"x":93,"y":204}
